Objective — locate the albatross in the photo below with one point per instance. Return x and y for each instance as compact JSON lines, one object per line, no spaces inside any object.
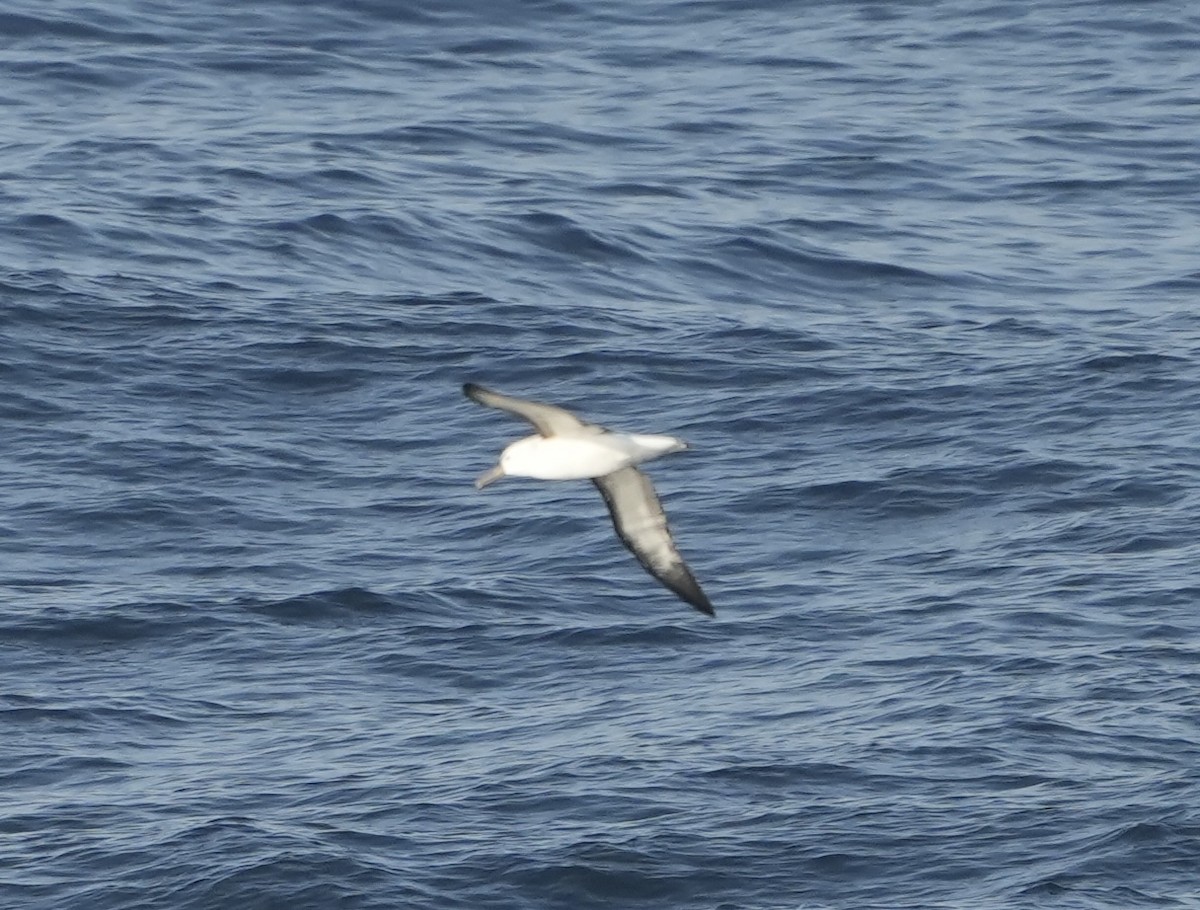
{"x":567,"y":448}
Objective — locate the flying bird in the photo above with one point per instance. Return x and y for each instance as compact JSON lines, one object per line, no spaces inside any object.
{"x":567,"y":448}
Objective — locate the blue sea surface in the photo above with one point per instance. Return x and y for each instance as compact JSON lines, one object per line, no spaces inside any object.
{"x":918,"y":282}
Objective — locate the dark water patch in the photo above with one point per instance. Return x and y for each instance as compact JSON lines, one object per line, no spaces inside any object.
{"x":596,"y":873}
{"x":1136,"y":361}
{"x":390,"y":12}
{"x":496,"y":47}
{"x":345,"y":176}
{"x":290,"y":62}
{"x":428,"y":137}
{"x":1017,"y":326}
{"x":706,"y":128}
{"x":92,"y":76}
{"x":77,"y":27}
{"x":331,"y":225}
{"x":303,"y":381}
{"x":903,"y":493}
{"x":172,"y":204}
{"x":562,"y":235}
{"x":241,"y":174}
{"x":796,"y":64}
{"x":1027,"y":474}
{"x":1068,"y":188}
{"x":128,"y":512}
{"x":97,"y":626}
{"x":780,"y":776}
{"x":21,"y":407}
{"x":1187,"y":282}
{"x":817,"y":265}
{"x":761,"y":339}
{"x":49,"y":229}
{"x":334,"y":606}
{"x":1142,"y":543}
{"x":639,"y":190}
{"x":665,"y":635}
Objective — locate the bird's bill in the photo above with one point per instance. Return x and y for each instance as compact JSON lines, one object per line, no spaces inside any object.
{"x":489,"y":477}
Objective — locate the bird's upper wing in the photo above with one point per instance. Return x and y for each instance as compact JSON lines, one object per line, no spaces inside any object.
{"x":546,"y":418}
{"x":642,"y":526}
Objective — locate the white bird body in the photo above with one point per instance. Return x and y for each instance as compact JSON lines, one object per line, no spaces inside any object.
{"x":583,"y":457}
{"x":567,"y":448}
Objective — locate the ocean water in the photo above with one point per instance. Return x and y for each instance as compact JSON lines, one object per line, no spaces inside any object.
{"x":920,"y":284}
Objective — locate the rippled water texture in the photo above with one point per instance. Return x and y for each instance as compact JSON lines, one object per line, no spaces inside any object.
{"x":917,"y":282}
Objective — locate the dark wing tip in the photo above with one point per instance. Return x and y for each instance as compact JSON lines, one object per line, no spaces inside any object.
{"x":681,"y":582}
{"x":472,"y":390}
{"x":688,"y":590}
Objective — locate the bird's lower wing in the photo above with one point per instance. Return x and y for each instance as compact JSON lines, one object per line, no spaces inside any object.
{"x":546,"y":418}
{"x":641,"y":524}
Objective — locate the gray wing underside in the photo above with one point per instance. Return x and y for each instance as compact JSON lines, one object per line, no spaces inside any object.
{"x":546,"y":418}
{"x":641,"y":524}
